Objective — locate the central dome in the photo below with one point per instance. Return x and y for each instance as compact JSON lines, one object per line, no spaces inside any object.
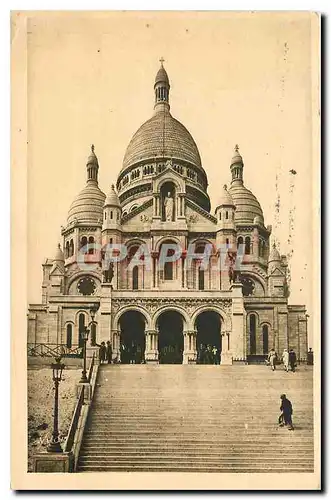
{"x":162,"y":136}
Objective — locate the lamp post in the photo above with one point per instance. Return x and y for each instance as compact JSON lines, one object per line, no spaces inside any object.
{"x":85,"y":335}
{"x":55,"y":446}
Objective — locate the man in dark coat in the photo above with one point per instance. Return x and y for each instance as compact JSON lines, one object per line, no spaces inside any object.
{"x":109,"y":352}
{"x":286,"y":409}
{"x":292,"y":359}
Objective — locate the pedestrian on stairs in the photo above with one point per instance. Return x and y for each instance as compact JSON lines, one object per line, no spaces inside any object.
{"x":287,"y":410}
{"x":109,"y":352}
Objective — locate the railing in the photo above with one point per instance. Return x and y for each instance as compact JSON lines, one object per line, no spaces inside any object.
{"x":74,"y":423}
{"x":73,"y":436}
{"x":54,"y":351}
{"x":90,"y":371}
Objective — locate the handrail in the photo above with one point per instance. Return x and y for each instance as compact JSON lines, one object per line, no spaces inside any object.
{"x":74,"y":423}
{"x":90,"y":371}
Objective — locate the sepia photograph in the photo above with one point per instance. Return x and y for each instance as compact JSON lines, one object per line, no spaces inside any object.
{"x":169,"y":165}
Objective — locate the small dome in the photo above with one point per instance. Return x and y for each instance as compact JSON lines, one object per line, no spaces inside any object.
{"x":247,"y":206}
{"x":274,"y":254}
{"x":226,"y":198}
{"x":88,"y":205}
{"x":161,"y":76}
{"x":92,"y":159}
{"x":237,"y":158}
{"x":112,"y":198}
{"x":59,"y":256}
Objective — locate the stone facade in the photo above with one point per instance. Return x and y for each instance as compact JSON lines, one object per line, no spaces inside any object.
{"x":243,"y":283}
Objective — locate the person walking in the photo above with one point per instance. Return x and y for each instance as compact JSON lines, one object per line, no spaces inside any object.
{"x":285,"y":359}
{"x":292,"y":360}
{"x":287,"y":410}
{"x":272,"y":357}
{"x":109,"y":352}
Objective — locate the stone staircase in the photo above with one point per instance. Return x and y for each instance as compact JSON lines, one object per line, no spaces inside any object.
{"x":187,"y":418}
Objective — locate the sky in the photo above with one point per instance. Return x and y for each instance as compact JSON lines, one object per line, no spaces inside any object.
{"x":235,"y":78}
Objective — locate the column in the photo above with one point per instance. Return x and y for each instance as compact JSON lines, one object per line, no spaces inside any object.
{"x":226,"y":354}
{"x":190,"y":351}
{"x":151,"y":348}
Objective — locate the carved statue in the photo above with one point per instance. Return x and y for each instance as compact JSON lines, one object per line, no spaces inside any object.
{"x":169,"y":207}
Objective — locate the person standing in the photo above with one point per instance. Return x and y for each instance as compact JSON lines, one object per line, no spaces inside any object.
{"x":109,"y":352}
{"x":285,"y":359}
{"x":292,"y":360}
{"x":214,"y":351}
{"x":102,"y":352}
{"x":272,"y":359}
{"x":287,"y":410}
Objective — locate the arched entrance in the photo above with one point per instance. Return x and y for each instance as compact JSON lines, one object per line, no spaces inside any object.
{"x":132,"y":346}
{"x":209,"y":340}
{"x":171,"y":339}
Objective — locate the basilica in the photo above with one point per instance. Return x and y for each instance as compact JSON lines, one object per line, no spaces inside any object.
{"x":167,"y":278}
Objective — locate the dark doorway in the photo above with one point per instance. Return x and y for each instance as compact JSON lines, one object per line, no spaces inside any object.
{"x":209,"y":340}
{"x":265,"y":339}
{"x":171,"y":339}
{"x":252,"y":333}
{"x":132,"y":337}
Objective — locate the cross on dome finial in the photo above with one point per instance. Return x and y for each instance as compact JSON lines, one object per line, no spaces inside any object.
{"x":162,"y":61}
{"x":225,"y":187}
{"x":236,"y":148}
{"x":113,"y":187}
{"x":92,"y":148}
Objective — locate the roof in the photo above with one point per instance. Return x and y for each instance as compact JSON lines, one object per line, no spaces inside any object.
{"x":162,"y":136}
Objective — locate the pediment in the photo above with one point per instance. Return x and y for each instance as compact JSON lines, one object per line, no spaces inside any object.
{"x":56,"y":270}
{"x":196,"y":215}
{"x":277,"y":272}
{"x":139,"y":218}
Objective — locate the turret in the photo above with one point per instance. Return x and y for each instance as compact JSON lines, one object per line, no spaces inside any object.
{"x":111,"y":213}
{"x":237,"y":167}
{"x":224,"y":213}
{"x":276,"y":275}
{"x":161,"y":89}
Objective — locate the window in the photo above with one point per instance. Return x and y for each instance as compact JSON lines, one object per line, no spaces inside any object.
{"x":240,"y":242}
{"x":247,"y":245}
{"x":67,"y":250}
{"x":227,"y":243}
{"x":83,"y":242}
{"x":71,"y":248}
{"x":81,"y":328}
{"x":260,"y":248}
{"x":201,"y":278}
{"x":220,"y":215}
{"x":69,"y":336}
{"x":105,"y":215}
{"x":91,"y":245}
{"x":265,"y":339}
{"x":111,"y":214}
{"x":252,"y":333}
{"x":168,"y":271}
{"x":226,"y":214}
{"x":93,"y":334}
{"x":135,"y":275}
